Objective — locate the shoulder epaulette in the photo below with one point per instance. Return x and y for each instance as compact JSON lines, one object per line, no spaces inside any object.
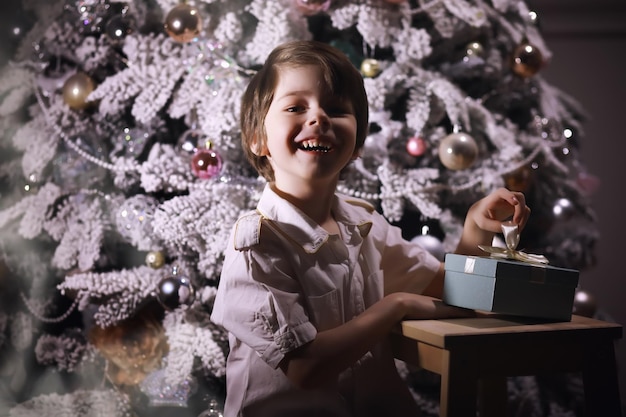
{"x":360,"y":203}
{"x":248,"y":230}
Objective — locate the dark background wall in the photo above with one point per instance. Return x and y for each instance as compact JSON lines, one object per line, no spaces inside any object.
{"x":587,"y":39}
{"x":588,"y":43}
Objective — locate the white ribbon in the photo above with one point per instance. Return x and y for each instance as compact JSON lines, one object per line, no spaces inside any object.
{"x":511,"y":238}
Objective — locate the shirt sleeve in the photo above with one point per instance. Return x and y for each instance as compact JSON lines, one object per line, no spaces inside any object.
{"x":258,"y":299}
{"x":407,"y":266}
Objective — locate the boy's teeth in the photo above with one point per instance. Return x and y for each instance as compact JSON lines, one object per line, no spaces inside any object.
{"x":314,"y":145}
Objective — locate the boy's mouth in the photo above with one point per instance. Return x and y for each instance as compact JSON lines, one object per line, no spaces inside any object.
{"x":315,"y":145}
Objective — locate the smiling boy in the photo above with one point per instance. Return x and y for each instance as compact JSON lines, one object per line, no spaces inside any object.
{"x":314,"y":281}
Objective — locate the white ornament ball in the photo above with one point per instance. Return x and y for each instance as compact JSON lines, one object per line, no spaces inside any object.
{"x":431,"y":244}
{"x":458,"y":151}
{"x":563,"y":209}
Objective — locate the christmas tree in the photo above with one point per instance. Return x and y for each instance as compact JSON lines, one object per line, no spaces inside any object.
{"x":121,"y":174}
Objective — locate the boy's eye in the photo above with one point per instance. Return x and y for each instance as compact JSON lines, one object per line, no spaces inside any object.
{"x":293,"y":109}
{"x":339,"y":111}
{"x":339,"y":107}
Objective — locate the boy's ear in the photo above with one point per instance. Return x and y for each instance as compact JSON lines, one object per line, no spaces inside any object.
{"x":257,"y":147}
{"x":357,"y":153}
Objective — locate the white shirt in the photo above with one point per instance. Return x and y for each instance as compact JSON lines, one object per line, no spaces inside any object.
{"x":285,"y":278}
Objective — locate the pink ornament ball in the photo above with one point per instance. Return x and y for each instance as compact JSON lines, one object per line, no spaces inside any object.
{"x":311,"y":7}
{"x":416,"y":146}
{"x":206,"y":163}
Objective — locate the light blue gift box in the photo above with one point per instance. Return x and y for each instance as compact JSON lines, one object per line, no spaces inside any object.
{"x":510,"y":287}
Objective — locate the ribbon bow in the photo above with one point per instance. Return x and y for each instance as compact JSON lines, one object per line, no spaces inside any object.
{"x":511,"y":238}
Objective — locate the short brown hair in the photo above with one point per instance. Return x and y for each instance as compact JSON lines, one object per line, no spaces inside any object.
{"x":341,"y":78}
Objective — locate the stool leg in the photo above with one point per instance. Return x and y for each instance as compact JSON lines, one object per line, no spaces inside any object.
{"x":600,"y":379}
{"x":492,"y":397}
{"x":458,"y":386}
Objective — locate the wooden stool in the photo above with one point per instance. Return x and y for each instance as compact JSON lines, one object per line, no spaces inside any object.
{"x":474,"y":356}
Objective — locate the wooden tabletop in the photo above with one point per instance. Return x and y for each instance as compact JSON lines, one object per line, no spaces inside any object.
{"x":493,"y":328}
{"x":482,"y":351}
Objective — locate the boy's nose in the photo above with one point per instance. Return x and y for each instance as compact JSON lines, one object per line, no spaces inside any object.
{"x":319,"y":117}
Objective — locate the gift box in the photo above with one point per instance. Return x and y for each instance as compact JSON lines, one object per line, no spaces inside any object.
{"x":509,"y":286}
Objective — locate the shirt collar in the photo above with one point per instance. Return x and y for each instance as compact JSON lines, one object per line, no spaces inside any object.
{"x":300,"y":228}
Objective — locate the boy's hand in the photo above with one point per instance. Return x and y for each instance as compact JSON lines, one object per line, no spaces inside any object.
{"x":489,"y":212}
{"x":485,"y":217}
{"x":422,"y":307}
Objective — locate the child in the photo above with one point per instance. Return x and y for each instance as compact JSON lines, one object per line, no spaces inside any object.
{"x":313,"y":281}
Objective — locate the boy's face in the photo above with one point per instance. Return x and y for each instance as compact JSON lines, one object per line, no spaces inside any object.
{"x":311,"y":135}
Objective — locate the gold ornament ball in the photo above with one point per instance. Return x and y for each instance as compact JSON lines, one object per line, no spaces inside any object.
{"x":527,"y":60}
{"x":519,"y":180}
{"x":76,"y":89}
{"x":183,"y":23}
{"x":133,"y":347}
{"x":458,"y":151}
{"x":474,"y":49}
{"x":155,"y":259}
{"x":370,"y":67}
